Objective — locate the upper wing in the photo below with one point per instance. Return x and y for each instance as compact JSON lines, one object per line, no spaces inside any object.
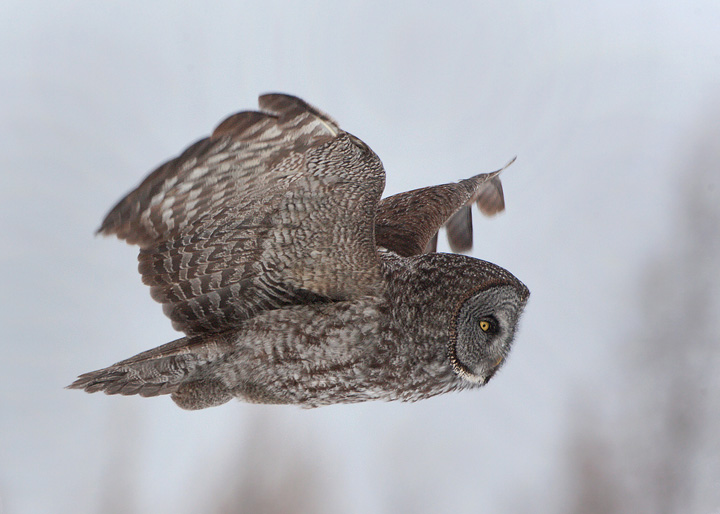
{"x":408,"y":223}
{"x":274,"y":208}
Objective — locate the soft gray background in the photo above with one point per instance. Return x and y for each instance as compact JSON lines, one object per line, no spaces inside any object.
{"x":609,"y":402}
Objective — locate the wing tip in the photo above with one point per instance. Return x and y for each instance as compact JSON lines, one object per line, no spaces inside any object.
{"x":108,"y":226}
{"x":490,"y":199}
{"x":239,"y":124}
{"x":113,"y":219}
{"x":509,"y":163}
{"x":280,"y":106}
{"x":288,"y":106}
{"x":113,"y":225}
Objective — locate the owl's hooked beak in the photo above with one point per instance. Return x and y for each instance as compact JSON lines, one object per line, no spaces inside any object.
{"x":493,"y":370}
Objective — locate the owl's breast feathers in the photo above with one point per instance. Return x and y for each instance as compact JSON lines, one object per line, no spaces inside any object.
{"x":387,"y":347}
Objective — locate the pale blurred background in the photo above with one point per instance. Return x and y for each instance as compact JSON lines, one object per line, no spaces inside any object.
{"x":610,"y":401}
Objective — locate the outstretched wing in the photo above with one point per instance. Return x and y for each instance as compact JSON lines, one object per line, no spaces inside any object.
{"x":408,"y":223}
{"x":274,"y":208}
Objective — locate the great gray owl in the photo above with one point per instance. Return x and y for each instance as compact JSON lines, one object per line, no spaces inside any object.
{"x":270,"y":248}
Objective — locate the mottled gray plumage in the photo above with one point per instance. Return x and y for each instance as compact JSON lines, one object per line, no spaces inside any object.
{"x":270,"y":248}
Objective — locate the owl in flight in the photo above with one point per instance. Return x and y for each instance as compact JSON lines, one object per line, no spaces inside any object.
{"x":270,"y":247}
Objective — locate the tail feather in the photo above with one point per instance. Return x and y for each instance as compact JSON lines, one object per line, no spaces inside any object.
{"x":156,"y":372}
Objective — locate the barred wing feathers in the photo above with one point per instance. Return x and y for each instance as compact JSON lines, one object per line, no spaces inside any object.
{"x":274,"y":208}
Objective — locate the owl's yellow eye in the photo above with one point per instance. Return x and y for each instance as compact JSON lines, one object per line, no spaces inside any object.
{"x":485,"y":325}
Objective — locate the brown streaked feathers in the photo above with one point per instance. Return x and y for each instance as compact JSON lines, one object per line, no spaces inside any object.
{"x":218,"y":241}
{"x":269,"y":246}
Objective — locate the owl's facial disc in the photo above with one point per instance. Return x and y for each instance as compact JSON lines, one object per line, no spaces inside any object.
{"x":485,"y":329}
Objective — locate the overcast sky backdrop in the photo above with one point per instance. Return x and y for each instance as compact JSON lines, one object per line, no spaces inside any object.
{"x":606,"y":105}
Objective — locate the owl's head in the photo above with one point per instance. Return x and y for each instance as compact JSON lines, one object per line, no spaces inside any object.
{"x":485,"y":326}
{"x":469,"y":309}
